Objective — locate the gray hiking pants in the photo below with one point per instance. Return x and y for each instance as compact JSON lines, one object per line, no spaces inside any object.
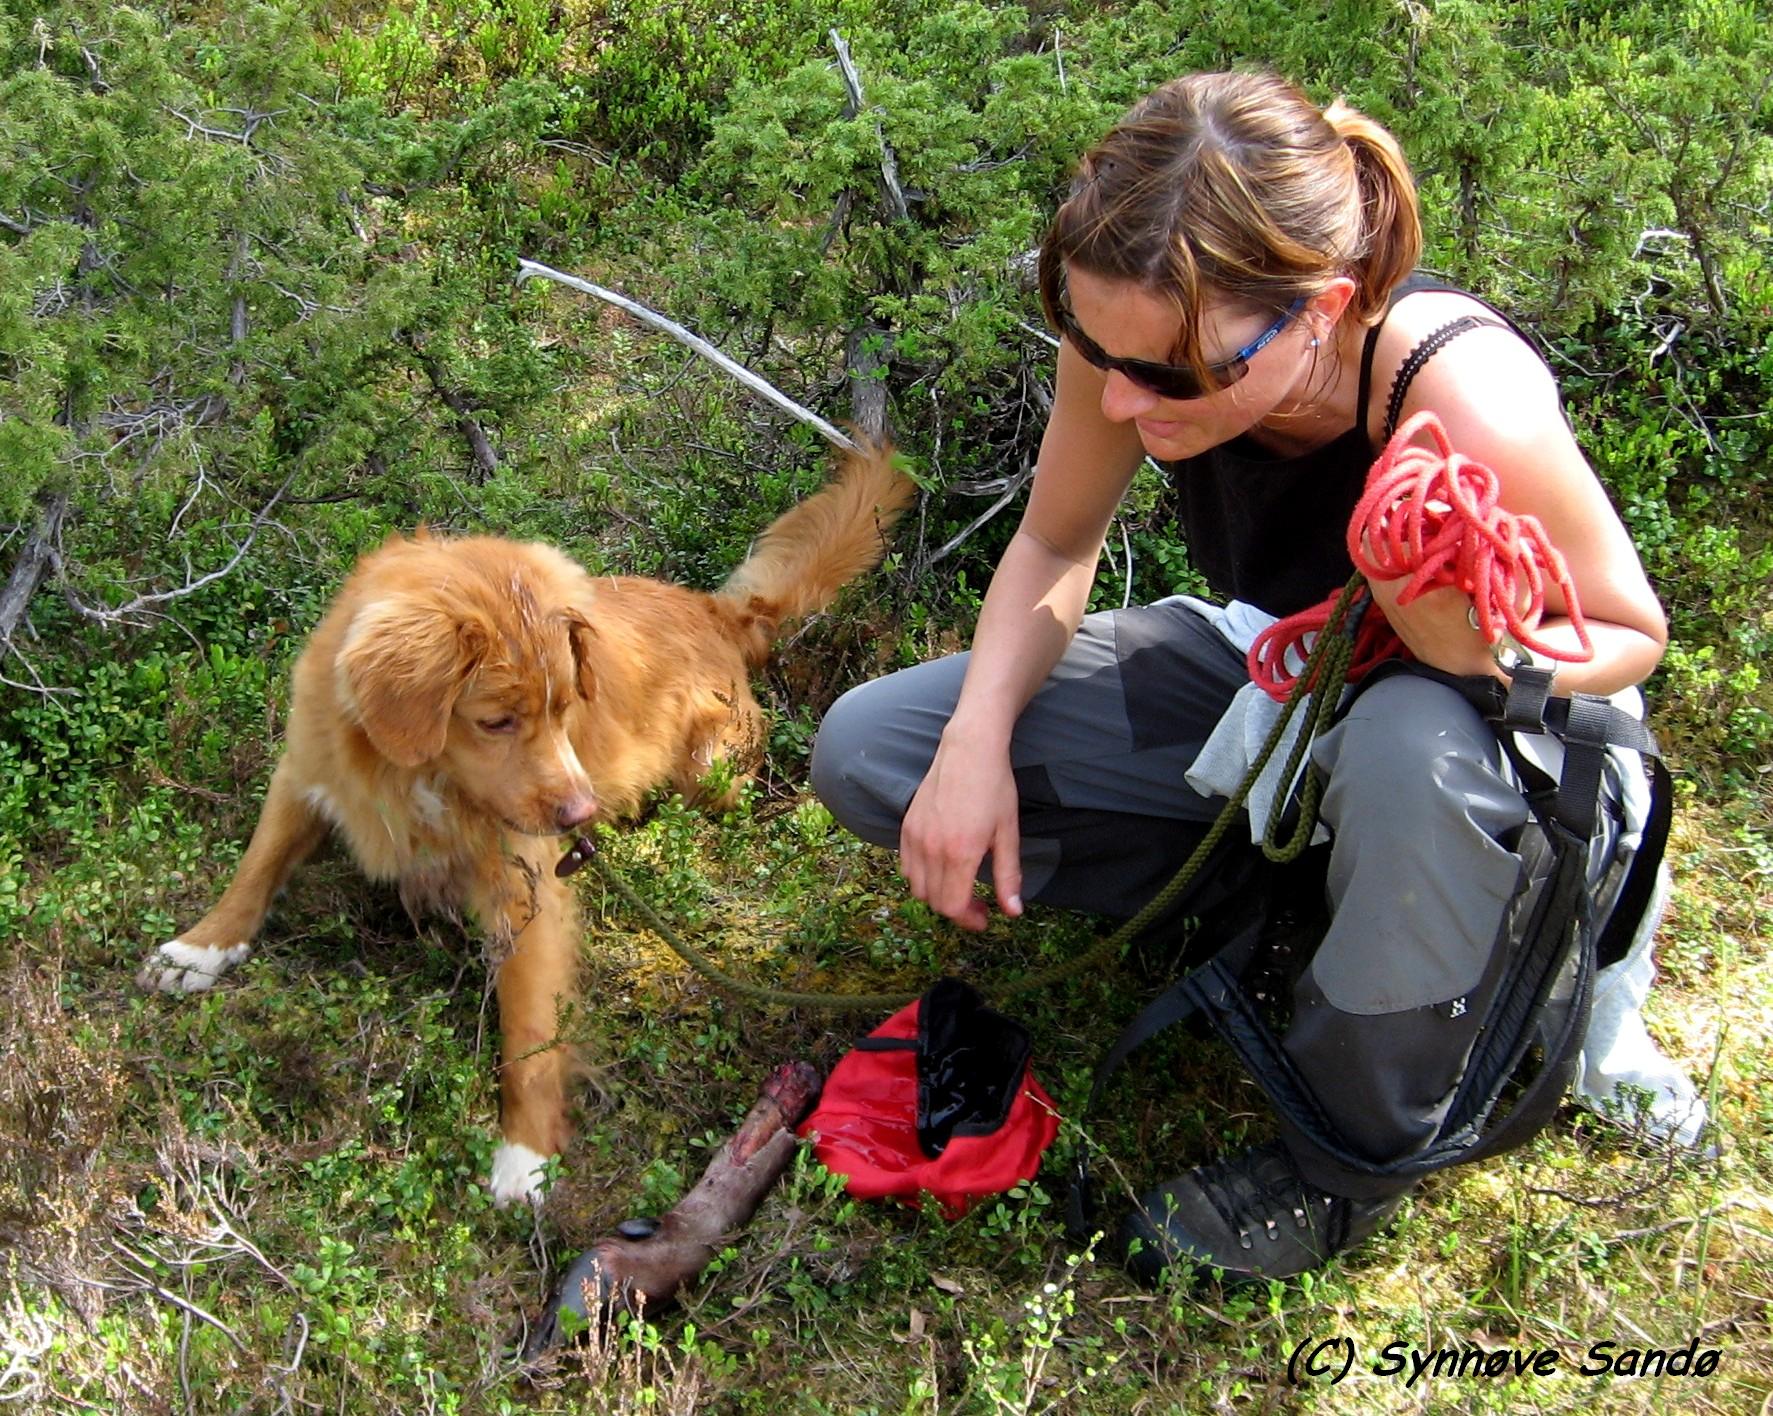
{"x":1419,"y":801}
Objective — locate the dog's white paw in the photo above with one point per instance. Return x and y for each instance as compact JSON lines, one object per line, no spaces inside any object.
{"x":517,"y":1174}
{"x":178,"y":967}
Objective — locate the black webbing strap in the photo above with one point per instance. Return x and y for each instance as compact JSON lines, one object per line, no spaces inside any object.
{"x":1639,"y":886}
{"x":1565,"y":812}
{"x":1585,"y":724}
{"x":1521,"y":999}
{"x":1174,"y":1005}
{"x":1219,"y":995}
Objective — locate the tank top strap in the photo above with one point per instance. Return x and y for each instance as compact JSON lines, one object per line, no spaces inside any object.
{"x":1371,"y":343}
{"x":1409,"y":285}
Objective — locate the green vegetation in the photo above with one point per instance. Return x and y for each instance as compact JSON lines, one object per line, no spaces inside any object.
{"x":257,"y":310}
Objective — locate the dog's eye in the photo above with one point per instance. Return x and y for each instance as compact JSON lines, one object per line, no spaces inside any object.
{"x":502,"y":724}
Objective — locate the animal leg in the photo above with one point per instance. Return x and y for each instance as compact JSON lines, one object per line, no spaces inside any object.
{"x":288,"y":832}
{"x":727,"y":729}
{"x":537,"y":982}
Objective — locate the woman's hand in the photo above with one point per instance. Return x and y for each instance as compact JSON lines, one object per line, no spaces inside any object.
{"x":967,"y":806}
{"x":1435,"y":627}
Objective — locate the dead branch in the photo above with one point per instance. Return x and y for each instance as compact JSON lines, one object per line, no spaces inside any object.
{"x":485,"y":458}
{"x":143,"y":604}
{"x":1625,"y":1236}
{"x":531,"y":269}
{"x":889,"y":163}
{"x":46,"y":691}
{"x":351,"y":218}
{"x":92,"y":68}
{"x":33,"y":563}
{"x":138,"y":1270}
{"x":159,"y":420}
{"x":1011,"y":492}
{"x":1126,"y":542}
{"x":251,"y":119}
{"x":840,"y":215}
{"x":870,"y":350}
{"x":237,"y":324}
{"x":304,"y":304}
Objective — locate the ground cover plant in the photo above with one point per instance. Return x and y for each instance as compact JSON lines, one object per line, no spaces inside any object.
{"x":258,"y":309}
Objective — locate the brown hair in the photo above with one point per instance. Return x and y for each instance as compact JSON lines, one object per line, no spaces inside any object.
{"x":1237,"y":185}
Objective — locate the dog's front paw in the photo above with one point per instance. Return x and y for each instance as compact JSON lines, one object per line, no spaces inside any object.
{"x":518,"y":1173}
{"x":178,"y":967}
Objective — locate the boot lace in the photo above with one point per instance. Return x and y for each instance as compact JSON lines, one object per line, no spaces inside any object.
{"x":1258,"y":1194}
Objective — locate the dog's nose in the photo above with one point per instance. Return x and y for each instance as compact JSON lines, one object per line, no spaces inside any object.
{"x":575,"y":811}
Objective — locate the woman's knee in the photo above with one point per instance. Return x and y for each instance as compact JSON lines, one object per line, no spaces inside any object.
{"x":838,"y":747}
{"x":1409,"y":743}
{"x":872,"y":750}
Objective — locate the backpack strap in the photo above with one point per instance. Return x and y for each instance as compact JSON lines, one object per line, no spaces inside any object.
{"x":1468,"y":1133}
{"x":1551,"y":918}
{"x":1176,"y":1004}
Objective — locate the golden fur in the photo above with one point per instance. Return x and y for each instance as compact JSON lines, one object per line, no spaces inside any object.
{"x":466,"y":701}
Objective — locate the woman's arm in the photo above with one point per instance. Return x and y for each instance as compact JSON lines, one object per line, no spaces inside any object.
{"x":1500,"y":406}
{"x":967,"y":804}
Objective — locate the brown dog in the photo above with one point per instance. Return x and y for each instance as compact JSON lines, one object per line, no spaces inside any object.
{"x":464,"y":702}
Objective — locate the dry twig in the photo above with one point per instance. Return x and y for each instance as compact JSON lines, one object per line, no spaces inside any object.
{"x":889,"y":163}
{"x":531,"y":269}
{"x":147,"y":604}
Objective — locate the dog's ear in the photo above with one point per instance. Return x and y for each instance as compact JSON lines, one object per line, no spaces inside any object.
{"x":403,"y":664}
{"x":584,"y":642}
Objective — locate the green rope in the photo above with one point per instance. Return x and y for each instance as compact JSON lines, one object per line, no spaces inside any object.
{"x":1326,"y":670}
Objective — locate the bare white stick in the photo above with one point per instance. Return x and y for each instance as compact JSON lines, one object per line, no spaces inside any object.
{"x":960,"y":538}
{"x":124,"y":614}
{"x":530,"y":269}
{"x":889,"y":163}
{"x":1126,"y":542}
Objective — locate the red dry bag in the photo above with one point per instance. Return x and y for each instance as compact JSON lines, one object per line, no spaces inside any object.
{"x":938,"y":1099}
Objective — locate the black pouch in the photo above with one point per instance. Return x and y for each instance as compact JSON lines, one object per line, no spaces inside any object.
{"x":970,"y":1063}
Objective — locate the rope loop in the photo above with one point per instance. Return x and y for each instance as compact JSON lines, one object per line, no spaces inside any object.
{"x":1430,"y":517}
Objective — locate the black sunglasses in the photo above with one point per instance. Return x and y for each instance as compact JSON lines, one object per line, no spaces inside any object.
{"x":1176,"y":381}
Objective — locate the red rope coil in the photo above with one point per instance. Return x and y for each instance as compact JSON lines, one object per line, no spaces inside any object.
{"x":1431,"y":514}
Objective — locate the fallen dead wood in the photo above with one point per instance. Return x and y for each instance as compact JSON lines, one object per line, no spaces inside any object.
{"x":889,"y":163}
{"x":648,"y":1262}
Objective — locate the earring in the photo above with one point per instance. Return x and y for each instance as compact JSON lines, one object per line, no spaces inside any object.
{"x":1314,"y":341}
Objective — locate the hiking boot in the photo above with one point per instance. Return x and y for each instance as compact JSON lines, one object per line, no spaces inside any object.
{"x":1251,"y":1216}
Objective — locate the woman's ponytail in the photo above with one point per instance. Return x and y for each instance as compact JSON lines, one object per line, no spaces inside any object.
{"x":1390,"y":216}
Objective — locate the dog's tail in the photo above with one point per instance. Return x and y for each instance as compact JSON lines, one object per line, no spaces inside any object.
{"x":810,"y":552}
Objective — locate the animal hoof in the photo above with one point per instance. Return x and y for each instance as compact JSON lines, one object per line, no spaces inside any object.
{"x":178,"y":967}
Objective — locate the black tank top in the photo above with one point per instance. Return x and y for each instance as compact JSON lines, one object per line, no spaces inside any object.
{"x":1272,"y":530}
